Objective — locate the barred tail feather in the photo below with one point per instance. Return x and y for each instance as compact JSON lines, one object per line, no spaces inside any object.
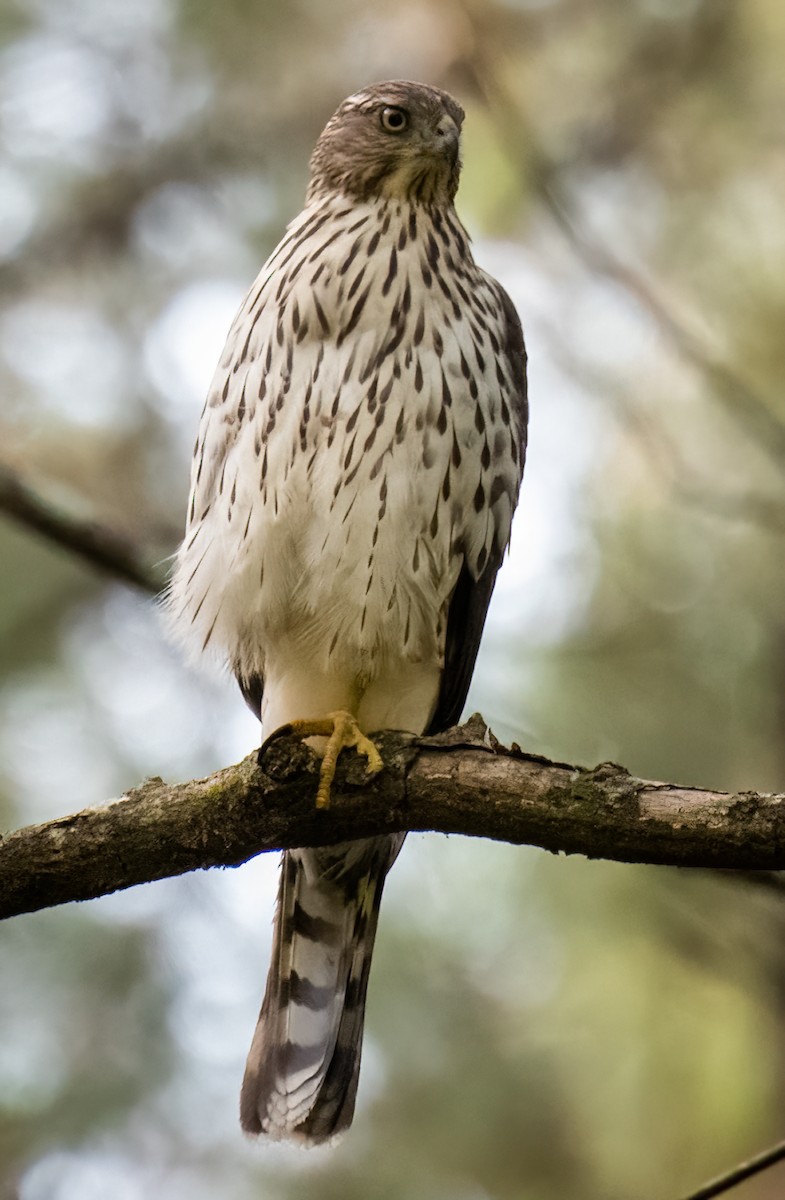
{"x":302,"y":1071}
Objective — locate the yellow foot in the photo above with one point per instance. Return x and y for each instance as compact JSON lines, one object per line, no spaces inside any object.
{"x":342,"y":732}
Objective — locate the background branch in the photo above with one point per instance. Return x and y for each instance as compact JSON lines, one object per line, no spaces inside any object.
{"x":93,"y":542}
{"x":459,"y":782}
{"x":756,"y":415}
{"x":724,"y":1183}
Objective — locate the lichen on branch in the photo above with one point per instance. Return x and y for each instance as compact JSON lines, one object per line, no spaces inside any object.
{"x":462,"y":781}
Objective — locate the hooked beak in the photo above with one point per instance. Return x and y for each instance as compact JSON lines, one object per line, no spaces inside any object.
{"x":447,"y":140}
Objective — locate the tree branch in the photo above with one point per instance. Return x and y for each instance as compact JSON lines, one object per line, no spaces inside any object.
{"x":462,"y":781}
{"x":756,"y":414}
{"x":739,"y":1174}
{"x":95,"y":543}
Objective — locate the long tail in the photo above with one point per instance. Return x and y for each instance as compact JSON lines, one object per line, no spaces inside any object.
{"x":302,"y":1070}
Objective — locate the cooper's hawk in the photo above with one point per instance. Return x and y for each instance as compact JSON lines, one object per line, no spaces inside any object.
{"x":355,"y":474}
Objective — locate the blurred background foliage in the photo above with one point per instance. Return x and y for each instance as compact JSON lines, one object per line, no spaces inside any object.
{"x":538,"y":1027}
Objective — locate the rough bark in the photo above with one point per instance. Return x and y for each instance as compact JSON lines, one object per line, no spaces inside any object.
{"x":463,"y":781}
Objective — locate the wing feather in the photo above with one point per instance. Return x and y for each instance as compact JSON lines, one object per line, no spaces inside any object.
{"x":469,"y":603}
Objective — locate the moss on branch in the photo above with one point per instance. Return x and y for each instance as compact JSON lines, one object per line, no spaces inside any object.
{"x":462,"y":781}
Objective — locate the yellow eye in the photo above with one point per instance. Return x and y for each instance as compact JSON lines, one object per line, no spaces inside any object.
{"x":394,"y":120}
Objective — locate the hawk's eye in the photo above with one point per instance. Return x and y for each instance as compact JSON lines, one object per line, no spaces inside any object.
{"x":394,"y":120}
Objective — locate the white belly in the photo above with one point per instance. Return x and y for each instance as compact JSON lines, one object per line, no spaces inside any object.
{"x":341,"y":480}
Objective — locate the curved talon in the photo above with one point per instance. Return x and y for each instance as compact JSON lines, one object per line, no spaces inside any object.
{"x":342,"y":732}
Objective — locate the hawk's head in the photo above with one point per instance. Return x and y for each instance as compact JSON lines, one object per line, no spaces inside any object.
{"x":397,"y":139}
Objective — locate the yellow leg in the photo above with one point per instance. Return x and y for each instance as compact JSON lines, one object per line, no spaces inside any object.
{"x":342,"y":732}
